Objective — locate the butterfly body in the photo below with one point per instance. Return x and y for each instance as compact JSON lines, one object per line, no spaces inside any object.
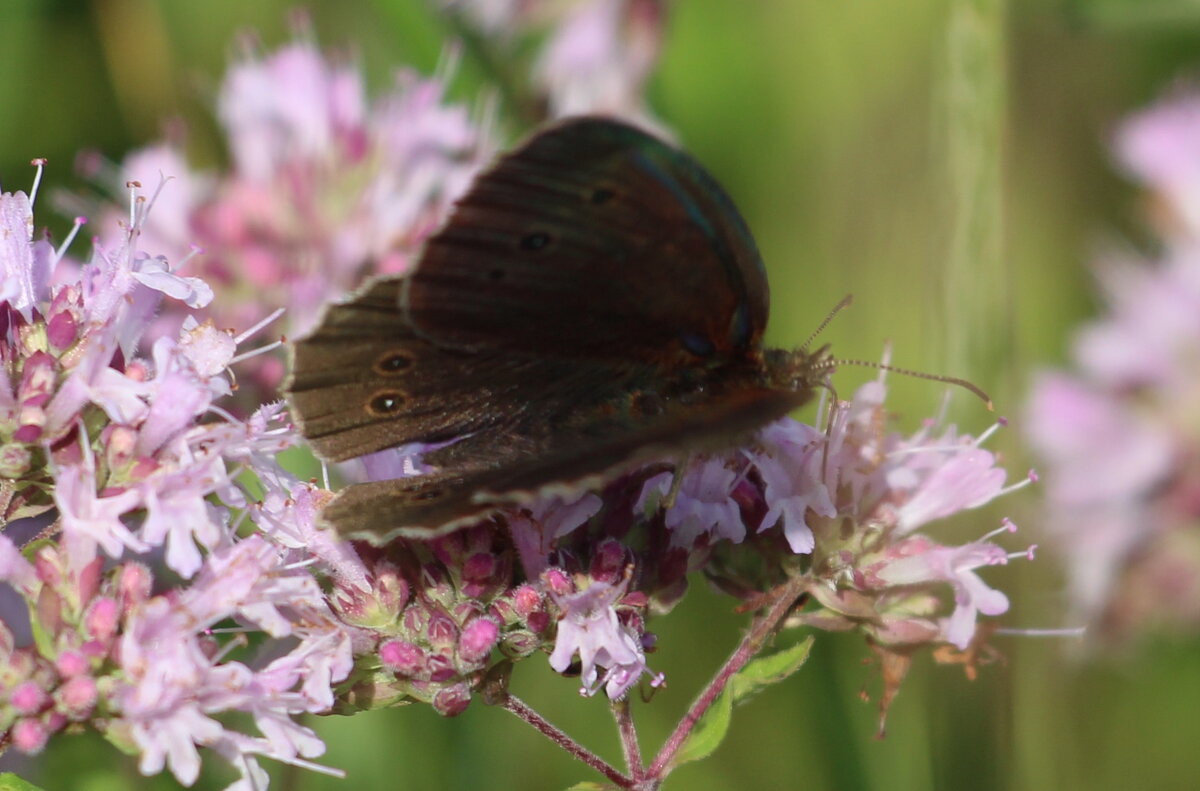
{"x":594,"y":302}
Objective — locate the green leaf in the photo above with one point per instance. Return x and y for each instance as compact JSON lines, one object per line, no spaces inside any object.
{"x":761,"y":672}
{"x":766,"y":670}
{"x":11,"y":782}
{"x":709,"y":731}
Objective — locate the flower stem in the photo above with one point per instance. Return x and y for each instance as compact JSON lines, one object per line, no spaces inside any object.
{"x":629,"y":739}
{"x":783,"y":598}
{"x":551,"y":732}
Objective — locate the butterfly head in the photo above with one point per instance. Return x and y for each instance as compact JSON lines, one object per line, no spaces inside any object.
{"x":799,"y":370}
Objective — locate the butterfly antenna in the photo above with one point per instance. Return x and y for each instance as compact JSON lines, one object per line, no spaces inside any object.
{"x":950,"y":380}
{"x":846,"y":300}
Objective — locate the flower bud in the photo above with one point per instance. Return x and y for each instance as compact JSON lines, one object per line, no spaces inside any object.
{"x":477,"y":640}
{"x":452,"y":701}
{"x":77,"y":698}
{"x":71,"y":663}
{"x":30,"y":736}
{"x":28,"y":698}
{"x":402,"y":657}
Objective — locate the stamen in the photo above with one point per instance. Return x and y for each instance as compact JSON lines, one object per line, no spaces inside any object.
{"x":40,"y":164}
{"x":222,"y":413}
{"x":240,"y":641}
{"x":80,"y":221}
{"x":447,"y":63}
{"x":193,"y":251}
{"x":148,"y":205}
{"x":990,"y":430}
{"x":133,"y":187}
{"x":256,"y":352}
{"x":1076,"y":631}
{"x":313,"y":767}
{"x":1006,"y":526}
{"x":1027,"y":554}
{"x":270,"y":318}
{"x":1029,"y":479}
{"x":236,"y":525}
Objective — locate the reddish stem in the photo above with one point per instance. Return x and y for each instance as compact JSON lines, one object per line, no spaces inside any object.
{"x":551,"y":732}
{"x":629,"y":739}
{"x":762,"y":628}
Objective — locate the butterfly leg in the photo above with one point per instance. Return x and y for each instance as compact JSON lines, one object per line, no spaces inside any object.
{"x":678,"y":472}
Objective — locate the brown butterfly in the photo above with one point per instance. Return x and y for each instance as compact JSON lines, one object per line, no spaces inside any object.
{"x":594,"y":302}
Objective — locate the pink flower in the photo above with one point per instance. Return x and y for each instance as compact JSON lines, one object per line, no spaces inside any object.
{"x":594,"y":56}
{"x":171,"y":685}
{"x":704,"y":507}
{"x":590,"y":627}
{"x":1117,"y":431}
{"x":791,"y":471}
{"x":24,"y":264}
{"x":599,"y":57}
{"x":1161,"y":147}
{"x":327,"y":186}
{"x":138,"y":463}
{"x":919,"y":561}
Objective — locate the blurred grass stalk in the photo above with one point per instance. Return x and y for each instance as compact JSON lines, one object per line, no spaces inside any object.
{"x":976,"y":295}
{"x":137,"y":53}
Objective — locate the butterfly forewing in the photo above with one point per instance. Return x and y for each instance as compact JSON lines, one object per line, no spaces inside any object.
{"x":593,"y":240}
{"x":565,"y":454}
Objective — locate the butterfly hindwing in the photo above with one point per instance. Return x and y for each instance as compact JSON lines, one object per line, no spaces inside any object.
{"x":564,"y":453}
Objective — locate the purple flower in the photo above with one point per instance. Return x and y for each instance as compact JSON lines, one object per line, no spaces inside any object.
{"x":89,"y":520}
{"x":536,"y":530}
{"x":24,"y":264}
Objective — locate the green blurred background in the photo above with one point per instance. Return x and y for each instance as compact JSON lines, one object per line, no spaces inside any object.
{"x":946,"y":161}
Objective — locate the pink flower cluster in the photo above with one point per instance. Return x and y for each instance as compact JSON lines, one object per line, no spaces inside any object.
{"x":1118,"y":432}
{"x":325,"y":187}
{"x":841,"y":507}
{"x":108,"y":455}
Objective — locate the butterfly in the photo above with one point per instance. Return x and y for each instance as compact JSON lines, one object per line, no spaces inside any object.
{"x":594,"y":302}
